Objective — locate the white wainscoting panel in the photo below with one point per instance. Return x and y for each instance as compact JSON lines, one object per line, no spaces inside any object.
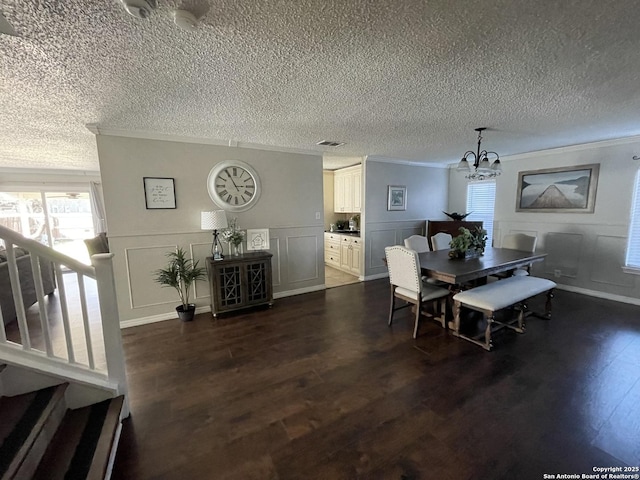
{"x":564,"y":251}
{"x":607,"y":262}
{"x":302,"y":264}
{"x":141,"y":264}
{"x":274,"y":248}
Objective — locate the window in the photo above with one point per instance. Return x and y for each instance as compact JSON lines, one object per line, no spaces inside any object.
{"x":57,"y":219}
{"x":632,"y":261}
{"x":481,"y":199}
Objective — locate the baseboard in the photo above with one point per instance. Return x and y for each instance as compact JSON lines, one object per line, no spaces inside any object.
{"x":376,"y":276}
{"x":299,"y":291}
{"x":596,"y":293}
{"x":136,"y":322}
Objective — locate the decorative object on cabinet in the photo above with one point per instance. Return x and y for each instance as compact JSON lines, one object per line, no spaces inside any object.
{"x":216,"y":220}
{"x":257,"y":239}
{"x":469,"y":243}
{"x":181,"y":272}
{"x":457,"y":216}
{"x":234,"y":237}
{"x":240,"y":282}
{"x":234,"y":185}
{"x":482,"y":170}
{"x":159,"y":193}
{"x":396,"y":197}
{"x":563,"y":190}
{"x":452,"y":227}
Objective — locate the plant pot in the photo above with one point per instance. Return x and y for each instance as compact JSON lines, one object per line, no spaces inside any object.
{"x":186,"y":315}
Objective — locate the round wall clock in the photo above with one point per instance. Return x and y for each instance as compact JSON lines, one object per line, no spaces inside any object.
{"x":234,"y":185}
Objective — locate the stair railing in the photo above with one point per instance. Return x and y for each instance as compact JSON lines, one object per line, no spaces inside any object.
{"x":113,"y":374}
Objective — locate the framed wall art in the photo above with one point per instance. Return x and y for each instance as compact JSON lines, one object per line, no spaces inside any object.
{"x":257,"y":239}
{"x":563,"y":189}
{"x":159,"y":193}
{"x":397,"y":197}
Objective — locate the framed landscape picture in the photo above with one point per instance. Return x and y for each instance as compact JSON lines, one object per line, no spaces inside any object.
{"x":563,"y":190}
{"x":397,"y":197}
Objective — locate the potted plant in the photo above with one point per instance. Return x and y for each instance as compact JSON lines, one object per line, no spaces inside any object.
{"x":180,"y":274}
{"x":468,"y":243}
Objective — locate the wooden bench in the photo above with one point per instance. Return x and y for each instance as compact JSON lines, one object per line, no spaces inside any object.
{"x":499,"y":295}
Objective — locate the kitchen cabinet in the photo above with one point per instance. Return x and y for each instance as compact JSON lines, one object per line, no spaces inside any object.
{"x":240,"y":281}
{"x":347,"y":191}
{"x":343,"y":252}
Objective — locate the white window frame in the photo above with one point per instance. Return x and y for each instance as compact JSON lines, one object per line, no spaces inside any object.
{"x":632,"y":258}
{"x":482,"y":216}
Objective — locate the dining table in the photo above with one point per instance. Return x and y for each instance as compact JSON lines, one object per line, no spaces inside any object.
{"x":460,"y":271}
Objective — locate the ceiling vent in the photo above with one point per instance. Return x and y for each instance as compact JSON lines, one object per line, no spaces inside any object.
{"x":329,"y":143}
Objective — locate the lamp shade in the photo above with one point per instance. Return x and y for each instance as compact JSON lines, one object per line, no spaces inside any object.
{"x":216,"y":220}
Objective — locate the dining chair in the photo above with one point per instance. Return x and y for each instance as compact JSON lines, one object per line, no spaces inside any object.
{"x":519,"y":241}
{"x":406,"y":284}
{"x":418,"y":243}
{"x":441,"y":241}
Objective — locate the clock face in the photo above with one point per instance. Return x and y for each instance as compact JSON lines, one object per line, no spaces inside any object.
{"x":234,"y":185}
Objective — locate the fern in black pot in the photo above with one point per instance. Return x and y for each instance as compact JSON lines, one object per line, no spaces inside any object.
{"x":180,"y":273}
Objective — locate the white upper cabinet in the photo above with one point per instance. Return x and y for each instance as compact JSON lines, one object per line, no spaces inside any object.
{"x":347,"y":190}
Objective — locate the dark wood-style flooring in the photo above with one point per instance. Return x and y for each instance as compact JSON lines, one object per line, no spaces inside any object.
{"x":318,"y":387}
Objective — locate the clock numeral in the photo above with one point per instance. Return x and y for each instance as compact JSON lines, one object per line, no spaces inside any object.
{"x":247,"y":192}
{"x":223,"y":193}
{"x":227,"y":172}
{"x":235,"y":172}
{"x":229,"y":199}
{"x":236,"y":200}
{"x":249,"y":186}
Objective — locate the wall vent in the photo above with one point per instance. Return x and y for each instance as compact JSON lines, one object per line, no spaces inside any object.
{"x":329,"y":143}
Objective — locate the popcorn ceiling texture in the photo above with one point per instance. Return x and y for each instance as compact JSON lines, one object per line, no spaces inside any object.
{"x":402,"y":79}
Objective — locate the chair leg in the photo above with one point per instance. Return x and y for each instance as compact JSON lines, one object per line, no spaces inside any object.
{"x":456,"y":318}
{"x":393,"y":304}
{"x":415,"y":328}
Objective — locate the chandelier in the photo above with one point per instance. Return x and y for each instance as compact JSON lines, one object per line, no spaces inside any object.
{"x":482,"y":169}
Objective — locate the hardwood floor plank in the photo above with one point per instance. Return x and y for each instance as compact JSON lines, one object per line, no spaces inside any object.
{"x":320,"y":387}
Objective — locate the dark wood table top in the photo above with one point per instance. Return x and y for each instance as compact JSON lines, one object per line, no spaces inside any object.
{"x":438,"y":265}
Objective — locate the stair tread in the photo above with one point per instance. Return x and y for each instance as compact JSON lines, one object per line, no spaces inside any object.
{"x":11,"y":410}
{"x":82,"y":445}
{"x":17,"y":444}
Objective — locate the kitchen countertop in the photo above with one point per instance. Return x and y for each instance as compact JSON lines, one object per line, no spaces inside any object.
{"x":352,"y":233}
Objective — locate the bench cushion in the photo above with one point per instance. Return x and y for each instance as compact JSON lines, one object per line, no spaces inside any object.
{"x":503,"y":293}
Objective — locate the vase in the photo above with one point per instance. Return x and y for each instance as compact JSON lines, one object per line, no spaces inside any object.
{"x":236,"y":250}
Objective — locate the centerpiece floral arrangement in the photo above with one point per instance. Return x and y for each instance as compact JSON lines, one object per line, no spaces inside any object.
{"x":232,"y":234}
{"x":468,"y":243}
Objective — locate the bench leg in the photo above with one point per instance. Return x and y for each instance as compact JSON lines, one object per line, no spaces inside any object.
{"x":521,"y":316}
{"x":547,"y":307}
{"x":455,"y":326}
{"x":488,"y":344}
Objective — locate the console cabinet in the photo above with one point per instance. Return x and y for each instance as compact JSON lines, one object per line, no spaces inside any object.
{"x":239,"y":282}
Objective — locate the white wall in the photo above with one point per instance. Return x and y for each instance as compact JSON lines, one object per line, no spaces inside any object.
{"x":426,"y":199}
{"x":587,"y":248}
{"x":140,"y":238}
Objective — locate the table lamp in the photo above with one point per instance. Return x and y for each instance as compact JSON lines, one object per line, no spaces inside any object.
{"x":216,"y":220}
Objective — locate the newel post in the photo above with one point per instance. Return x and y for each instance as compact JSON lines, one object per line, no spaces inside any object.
{"x":114,"y":352}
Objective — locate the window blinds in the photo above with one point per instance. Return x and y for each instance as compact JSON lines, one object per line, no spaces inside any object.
{"x":481,"y":199}
{"x":633,"y":245}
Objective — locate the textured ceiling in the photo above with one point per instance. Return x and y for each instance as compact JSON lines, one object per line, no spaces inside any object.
{"x":400,"y":79}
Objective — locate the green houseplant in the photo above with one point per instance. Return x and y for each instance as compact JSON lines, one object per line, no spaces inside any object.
{"x":180,"y":273}
{"x":468,"y":243}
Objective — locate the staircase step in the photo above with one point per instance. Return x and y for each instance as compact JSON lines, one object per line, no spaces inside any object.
{"x":28,"y":429}
{"x":83,"y":446}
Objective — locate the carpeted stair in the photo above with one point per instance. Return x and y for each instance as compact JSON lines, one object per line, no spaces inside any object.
{"x":40,"y":438}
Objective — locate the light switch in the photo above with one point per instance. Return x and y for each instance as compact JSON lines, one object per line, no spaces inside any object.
{"x":317,"y":215}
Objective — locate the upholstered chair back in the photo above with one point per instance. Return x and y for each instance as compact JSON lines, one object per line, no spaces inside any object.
{"x":520,"y":241}
{"x":418,"y":243}
{"x":441,"y":241}
{"x":404,"y":270}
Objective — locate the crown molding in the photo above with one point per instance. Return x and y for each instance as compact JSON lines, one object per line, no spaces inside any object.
{"x":399,"y":161}
{"x":115,"y":132}
{"x":49,"y":171}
